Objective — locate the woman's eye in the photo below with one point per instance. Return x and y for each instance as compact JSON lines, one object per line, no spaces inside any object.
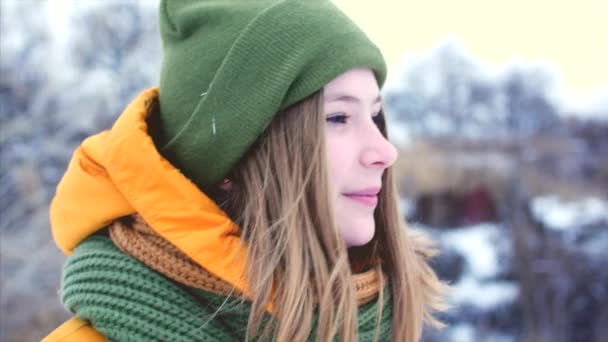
{"x":338,"y":118}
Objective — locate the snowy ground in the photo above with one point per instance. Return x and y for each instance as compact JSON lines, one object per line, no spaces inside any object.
{"x":477,"y":262}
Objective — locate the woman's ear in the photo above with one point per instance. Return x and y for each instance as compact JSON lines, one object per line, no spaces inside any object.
{"x":226,"y":184}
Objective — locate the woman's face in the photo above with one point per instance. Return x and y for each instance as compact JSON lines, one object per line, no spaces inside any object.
{"x":357,"y":152}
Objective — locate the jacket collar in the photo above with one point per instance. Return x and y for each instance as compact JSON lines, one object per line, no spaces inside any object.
{"x":119,"y":172}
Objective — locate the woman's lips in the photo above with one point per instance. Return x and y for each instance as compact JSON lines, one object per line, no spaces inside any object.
{"x":367,"y":200}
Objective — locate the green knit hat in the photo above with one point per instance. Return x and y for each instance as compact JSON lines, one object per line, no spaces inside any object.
{"x":230,"y":65}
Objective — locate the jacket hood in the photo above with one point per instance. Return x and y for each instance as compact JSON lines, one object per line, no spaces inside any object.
{"x":120,"y":172}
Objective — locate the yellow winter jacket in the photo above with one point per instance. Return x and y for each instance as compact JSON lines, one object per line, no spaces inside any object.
{"x":74,"y":330}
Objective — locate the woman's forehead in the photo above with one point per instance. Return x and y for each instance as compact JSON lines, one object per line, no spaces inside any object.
{"x":357,"y":86}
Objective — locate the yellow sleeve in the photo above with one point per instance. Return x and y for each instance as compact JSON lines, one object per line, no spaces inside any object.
{"x":74,"y":330}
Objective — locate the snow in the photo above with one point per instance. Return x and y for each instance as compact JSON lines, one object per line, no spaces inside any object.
{"x":462,"y":332}
{"x":483,"y":295}
{"x":477,"y":245}
{"x":481,"y":246}
{"x":559,"y":215}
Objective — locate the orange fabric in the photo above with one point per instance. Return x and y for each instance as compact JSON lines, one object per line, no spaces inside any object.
{"x":74,"y":330}
{"x":120,"y":172}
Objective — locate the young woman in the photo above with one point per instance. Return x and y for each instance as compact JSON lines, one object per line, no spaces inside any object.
{"x":250,"y":196}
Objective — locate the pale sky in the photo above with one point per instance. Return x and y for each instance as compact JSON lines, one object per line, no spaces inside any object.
{"x":570,"y":36}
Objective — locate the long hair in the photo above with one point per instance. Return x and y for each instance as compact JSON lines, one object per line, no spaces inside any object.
{"x":296,"y":257}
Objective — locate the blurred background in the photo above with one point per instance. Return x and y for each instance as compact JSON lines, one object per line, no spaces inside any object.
{"x":499,"y":110}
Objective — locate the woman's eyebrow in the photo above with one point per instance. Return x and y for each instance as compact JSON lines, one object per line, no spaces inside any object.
{"x":352,"y":99}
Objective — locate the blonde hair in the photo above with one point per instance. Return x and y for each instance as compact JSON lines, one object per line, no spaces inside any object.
{"x":296,"y":257}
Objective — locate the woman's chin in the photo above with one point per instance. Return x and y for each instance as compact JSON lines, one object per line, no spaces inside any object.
{"x":359,"y":237}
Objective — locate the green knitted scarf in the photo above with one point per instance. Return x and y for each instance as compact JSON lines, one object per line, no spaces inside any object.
{"x":127,"y":301}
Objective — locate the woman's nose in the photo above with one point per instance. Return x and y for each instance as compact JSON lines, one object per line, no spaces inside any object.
{"x":377,"y":150}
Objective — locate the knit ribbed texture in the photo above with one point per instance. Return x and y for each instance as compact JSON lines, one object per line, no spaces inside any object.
{"x":135,"y":237}
{"x":127,"y":301}
{"x":230,"y":66}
